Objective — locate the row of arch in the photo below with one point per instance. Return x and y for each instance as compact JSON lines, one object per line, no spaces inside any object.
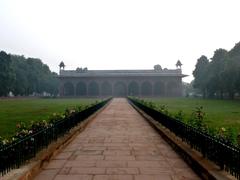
{"x":120,"y":89}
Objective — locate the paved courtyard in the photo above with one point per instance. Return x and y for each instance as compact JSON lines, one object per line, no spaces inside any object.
{"x":118,"y":144}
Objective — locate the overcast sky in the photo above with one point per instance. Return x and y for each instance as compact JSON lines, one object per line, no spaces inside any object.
{"x":118,"y":34}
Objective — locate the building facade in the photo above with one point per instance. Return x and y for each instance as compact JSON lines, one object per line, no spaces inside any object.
{"x":121,"y":83}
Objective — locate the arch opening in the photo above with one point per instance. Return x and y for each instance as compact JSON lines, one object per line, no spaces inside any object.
{"x":146,"y":88}
{"x":159,"y":89}
{"x":120,"y":89}
{"x":106,"y":89}
{"x":81,"y":89}
{"x":133,"y":89}
{"x":93,"y":89}
{"x":68,"y":89}
{"x":172,"y":89}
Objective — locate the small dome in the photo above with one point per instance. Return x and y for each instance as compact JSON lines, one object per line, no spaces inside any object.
{"x":157,"y":67}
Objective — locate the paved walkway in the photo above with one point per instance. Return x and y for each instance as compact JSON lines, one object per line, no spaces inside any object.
{"x":118,"y":145}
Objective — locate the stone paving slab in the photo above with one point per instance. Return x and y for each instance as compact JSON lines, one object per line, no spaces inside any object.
{"x":118,"y":144}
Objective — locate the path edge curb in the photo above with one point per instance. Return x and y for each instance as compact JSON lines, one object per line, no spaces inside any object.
{"x":203,"y":167}
{"x":35,"y":165}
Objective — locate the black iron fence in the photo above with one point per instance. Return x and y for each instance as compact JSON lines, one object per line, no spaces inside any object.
{"x":226,"y":156}
{"x":19,"y":152}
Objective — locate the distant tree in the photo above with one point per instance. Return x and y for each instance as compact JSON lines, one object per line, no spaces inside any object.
{"x":200,"y":75}
{"x":231,"y":75}
{"x":51,"y":83}
{"x":6,"y":74}
{"x":32,"y":76}
{"x":216,"y":72}
{"x":235,"y":51}
{"x":235,"y":57}
{"x":187,"y":89}
{"x":21,"y":83}
{"x":220,"y":76}
{"x":24,"y":76}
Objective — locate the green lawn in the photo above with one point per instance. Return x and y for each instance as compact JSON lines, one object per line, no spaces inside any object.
{"x":13,"y":111}
{"x":219,"y":113}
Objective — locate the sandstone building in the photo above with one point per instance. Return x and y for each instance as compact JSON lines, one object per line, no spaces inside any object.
{"x":120,"y":83}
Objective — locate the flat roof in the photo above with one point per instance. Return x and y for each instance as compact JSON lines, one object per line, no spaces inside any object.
{"x":122,"y":73}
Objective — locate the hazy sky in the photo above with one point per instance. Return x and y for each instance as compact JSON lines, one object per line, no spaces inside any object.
{"x":118,"y":34}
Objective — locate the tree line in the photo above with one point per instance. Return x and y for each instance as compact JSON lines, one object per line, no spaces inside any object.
{"x":219,"y":77}
{"x":25,"y":76}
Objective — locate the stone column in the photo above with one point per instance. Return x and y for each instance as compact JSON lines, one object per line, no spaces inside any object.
{"x":74,"y":89}
{"x":61,"y":89}
{"x":87,"y":83}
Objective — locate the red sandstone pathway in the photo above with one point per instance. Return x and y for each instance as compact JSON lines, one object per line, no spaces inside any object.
{"x":118,"y":144}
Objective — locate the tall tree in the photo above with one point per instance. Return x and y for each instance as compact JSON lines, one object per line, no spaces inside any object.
{"x":200,"y":74}
{"x":232,"y":71}
{"x":221,"y":75}
{"x":21,"y":83}
{"x":6,"y":74}
{"x":32,"y":76}
{"x":216,"y":71}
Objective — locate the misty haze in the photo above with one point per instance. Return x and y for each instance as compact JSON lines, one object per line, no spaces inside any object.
{"x":119,"y":90}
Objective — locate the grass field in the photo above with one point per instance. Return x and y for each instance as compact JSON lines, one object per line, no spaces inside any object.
{"x":13,"y":111}
{"x":219,"y":113}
